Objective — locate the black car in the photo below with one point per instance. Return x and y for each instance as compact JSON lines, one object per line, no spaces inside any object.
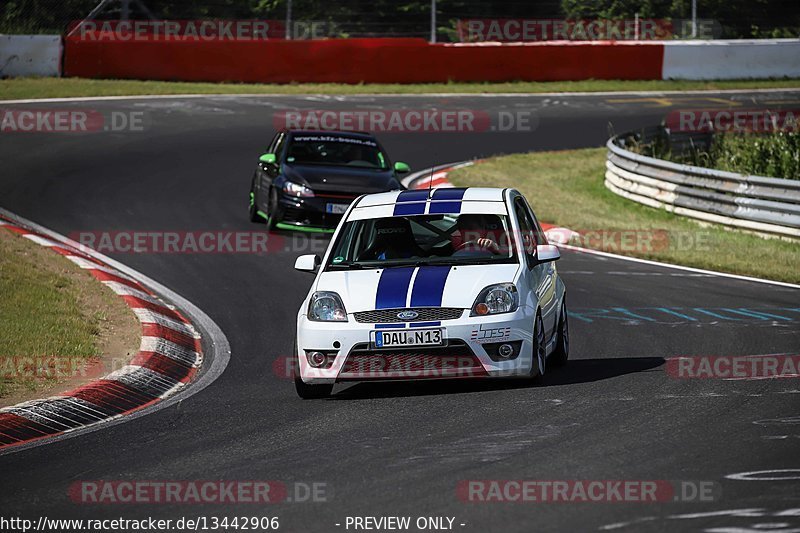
{"x":307,"y":179}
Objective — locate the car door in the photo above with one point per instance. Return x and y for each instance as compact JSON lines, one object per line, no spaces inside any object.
{"x":541,"y":276}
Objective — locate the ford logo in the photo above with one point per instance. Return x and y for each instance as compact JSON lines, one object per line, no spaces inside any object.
{"x":407,"y":315}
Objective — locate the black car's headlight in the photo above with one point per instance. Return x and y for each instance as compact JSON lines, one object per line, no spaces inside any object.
{"x":326,"y":306}
{"x":496,"y":299}
{"x":295,"y":189}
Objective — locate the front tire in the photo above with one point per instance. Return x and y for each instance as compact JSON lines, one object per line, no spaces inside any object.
{"x":306,"y":391}
{"x":539,"y":352}
{"x":253,"y":209}
{"x":561,"y":353}
{"x":311,"y":392}
{"x":275,"y":214}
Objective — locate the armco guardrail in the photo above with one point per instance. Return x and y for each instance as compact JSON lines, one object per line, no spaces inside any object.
{"x":765,"y":205}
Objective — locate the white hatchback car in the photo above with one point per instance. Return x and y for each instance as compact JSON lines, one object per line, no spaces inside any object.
{"x":440,"y":283}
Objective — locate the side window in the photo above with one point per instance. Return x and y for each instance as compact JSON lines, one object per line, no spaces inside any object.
{"x":526,"y":226}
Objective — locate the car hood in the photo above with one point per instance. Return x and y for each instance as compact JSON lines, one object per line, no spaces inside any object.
{"x":456,"y":286}
{"x":338,"y":178}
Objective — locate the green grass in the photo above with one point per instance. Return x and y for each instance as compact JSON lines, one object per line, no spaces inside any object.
{"x":40,"y":313}
{"x":566,"y":188}
{"x":776,"y":154}
{"x":23,"y":88}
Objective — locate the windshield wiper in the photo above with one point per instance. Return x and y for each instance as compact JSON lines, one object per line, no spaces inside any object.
{"x":448,"y":261}
{"x":354,"y":265}
{"x":484,"y":261}
{"x":417,"y":263}
{"x":346,"y":265}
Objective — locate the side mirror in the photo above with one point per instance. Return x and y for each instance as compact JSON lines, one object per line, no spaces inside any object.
{"x":546,"y":253}
{"x":307,"y":263}
{"x":401,"y":167}
{"x":268,"y":159}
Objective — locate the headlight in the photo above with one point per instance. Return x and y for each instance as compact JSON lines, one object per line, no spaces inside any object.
{"x":295,"y":189}
{"x":496,"y":299}
{"x":326,"y":307}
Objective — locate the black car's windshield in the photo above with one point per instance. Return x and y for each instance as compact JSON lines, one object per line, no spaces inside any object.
{"x":335,"y":150}
{"x":424,"y":240}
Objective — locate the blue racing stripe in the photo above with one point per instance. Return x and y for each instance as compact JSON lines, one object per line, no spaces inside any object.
{"x":446,"y":201}
{"x":418,"y":195}
{"x":449,"y":194}
{"x":411,"y":203}
{"x":389,"y":326}
{"x":393,"y":287}
{"x":409,"y":208}
{"x":424,"y":324}
{"x":429,"y":286}
{"x":441,"y":208}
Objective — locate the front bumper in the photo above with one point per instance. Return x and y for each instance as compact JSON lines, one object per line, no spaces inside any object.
{"x":313,"y":212}
{"x":464,"y":354}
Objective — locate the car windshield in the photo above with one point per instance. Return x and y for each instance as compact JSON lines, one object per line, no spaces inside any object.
{"x":335,"y":150}
{"x":423,"y":240}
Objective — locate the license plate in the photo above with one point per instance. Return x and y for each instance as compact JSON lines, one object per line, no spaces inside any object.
{"x":408,"y":337}
{"x":337,"y":209}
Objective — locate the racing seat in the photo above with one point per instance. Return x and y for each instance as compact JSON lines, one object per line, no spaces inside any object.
{"x":393,"y":240}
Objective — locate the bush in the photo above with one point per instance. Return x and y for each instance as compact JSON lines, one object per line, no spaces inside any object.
{"x":776,"y":155}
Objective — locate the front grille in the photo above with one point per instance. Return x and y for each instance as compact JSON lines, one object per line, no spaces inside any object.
{"x":425,"y":314}
{"x":453,"y":347}
{"x":292,"y":215}
{"x":336,"y":195}
{"x":454,"y":360}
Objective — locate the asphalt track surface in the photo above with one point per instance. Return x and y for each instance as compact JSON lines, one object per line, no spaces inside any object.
{"x":401,"y":449}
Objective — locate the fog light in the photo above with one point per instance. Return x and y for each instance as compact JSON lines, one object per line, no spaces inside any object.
{"x":505,"y":351}
{"x":316,"y":359}
{"x":500,"y":352}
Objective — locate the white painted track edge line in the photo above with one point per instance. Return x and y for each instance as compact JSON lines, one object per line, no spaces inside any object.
{"x":678,"y":267}
{"x":425,"y":172}
{"x":215,"y":343}
{"x":393,"y":95}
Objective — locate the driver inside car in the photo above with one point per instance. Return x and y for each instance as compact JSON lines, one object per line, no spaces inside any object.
{"x":476,"y":233}
{"x":356,"y":155}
